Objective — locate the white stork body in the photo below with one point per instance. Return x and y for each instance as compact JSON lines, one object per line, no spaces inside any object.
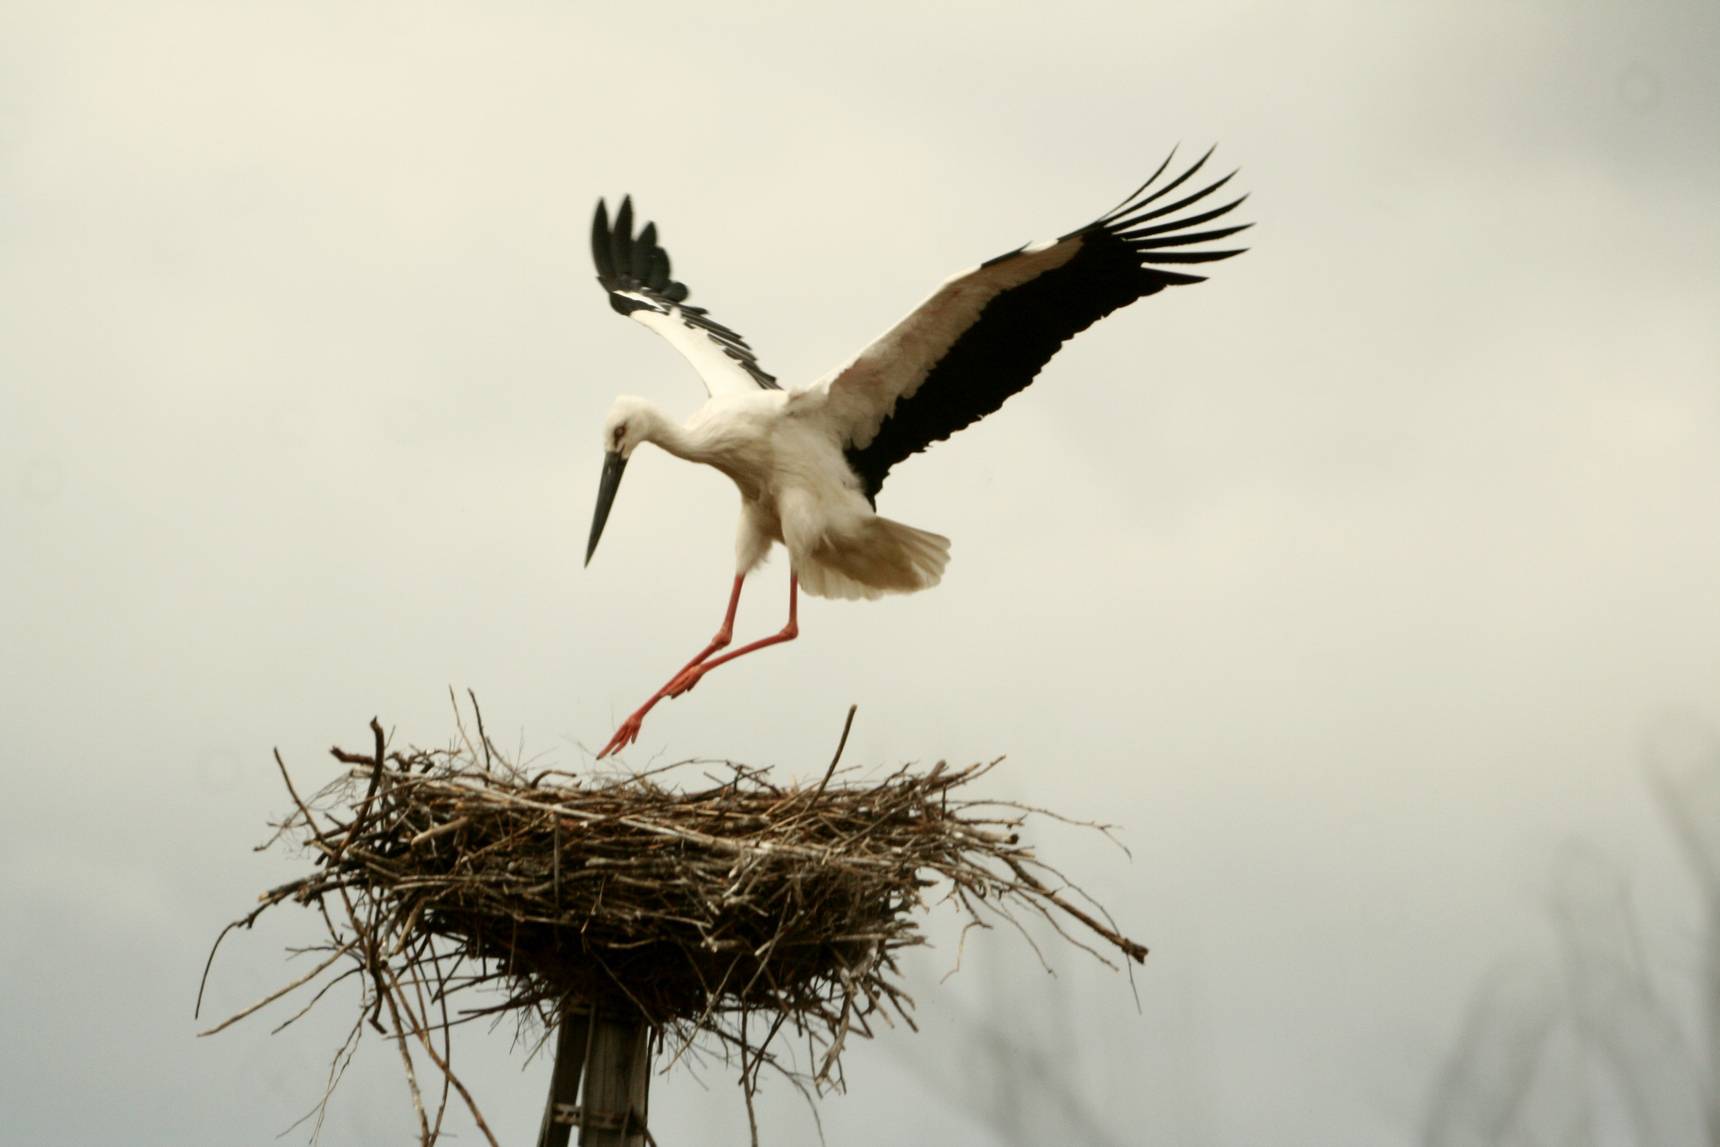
{"x":781,"y":450}
{"x":809,"y":462}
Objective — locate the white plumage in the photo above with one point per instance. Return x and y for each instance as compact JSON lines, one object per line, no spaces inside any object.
{"x":809,"y":462}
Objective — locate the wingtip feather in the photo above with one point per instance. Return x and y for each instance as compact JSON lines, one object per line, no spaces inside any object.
{"x":642,"y":248}
{"x":621,"y":235}
{"x":600,"y":243}
{"x":1153,"y":257}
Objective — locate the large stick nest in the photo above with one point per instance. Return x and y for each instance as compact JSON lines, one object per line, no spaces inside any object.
{"x":440,"y":872}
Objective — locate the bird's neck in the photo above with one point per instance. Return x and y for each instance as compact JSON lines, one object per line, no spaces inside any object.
{"x":670,"y":435}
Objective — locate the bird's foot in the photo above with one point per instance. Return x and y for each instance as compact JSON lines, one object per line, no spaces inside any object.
{"x":625,"y":735}
{"x":685,"y":680}
{"x":629,"y":730}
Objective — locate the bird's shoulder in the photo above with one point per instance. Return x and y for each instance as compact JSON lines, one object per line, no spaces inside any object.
{"x":750,"y":412}
{"x":744,"y":404}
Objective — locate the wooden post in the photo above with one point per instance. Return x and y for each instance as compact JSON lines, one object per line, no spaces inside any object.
{"x":617,"y":1083}
{"x":562,"y":1111}
{"x":613,"y":1054}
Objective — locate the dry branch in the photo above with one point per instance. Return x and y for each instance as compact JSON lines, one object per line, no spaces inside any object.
{"x":441,"y":872}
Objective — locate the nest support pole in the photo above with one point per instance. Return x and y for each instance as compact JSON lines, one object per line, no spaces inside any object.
{"x":611,"y":1055}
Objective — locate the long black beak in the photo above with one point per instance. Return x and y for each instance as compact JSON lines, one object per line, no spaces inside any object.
{"x":613,"y":465}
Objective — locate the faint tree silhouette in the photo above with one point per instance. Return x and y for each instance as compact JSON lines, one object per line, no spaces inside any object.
{"x":1585,"y":1048}
{"x":1019,"y":1081}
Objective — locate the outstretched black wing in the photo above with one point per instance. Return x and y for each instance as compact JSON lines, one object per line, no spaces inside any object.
{"x":635,"y":272}
{"x":986,"y":333}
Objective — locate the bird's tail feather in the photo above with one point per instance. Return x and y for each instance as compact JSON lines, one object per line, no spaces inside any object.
{"x":886,"y":557}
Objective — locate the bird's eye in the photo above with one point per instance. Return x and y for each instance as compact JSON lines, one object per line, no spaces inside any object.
{"x":620,"y":433}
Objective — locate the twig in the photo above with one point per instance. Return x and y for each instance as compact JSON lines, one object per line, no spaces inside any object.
{"x":376,"y":763}
{"x":279,"y":992}
{"x":847,"y":724}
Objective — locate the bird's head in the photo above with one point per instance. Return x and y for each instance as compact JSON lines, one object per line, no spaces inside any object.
{"x":627,"y":424}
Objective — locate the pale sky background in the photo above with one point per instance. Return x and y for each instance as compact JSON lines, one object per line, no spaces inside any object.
{"x":1349,"y":584}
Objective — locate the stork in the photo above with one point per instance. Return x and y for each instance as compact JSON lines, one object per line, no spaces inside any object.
{"x":809,"y":462}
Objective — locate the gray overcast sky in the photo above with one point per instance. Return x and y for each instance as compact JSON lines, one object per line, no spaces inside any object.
{"x":1347,"y":583}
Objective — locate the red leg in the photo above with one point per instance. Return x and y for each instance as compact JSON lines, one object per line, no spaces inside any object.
{"x":629,"y":730}
{"x":691,"y":675}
